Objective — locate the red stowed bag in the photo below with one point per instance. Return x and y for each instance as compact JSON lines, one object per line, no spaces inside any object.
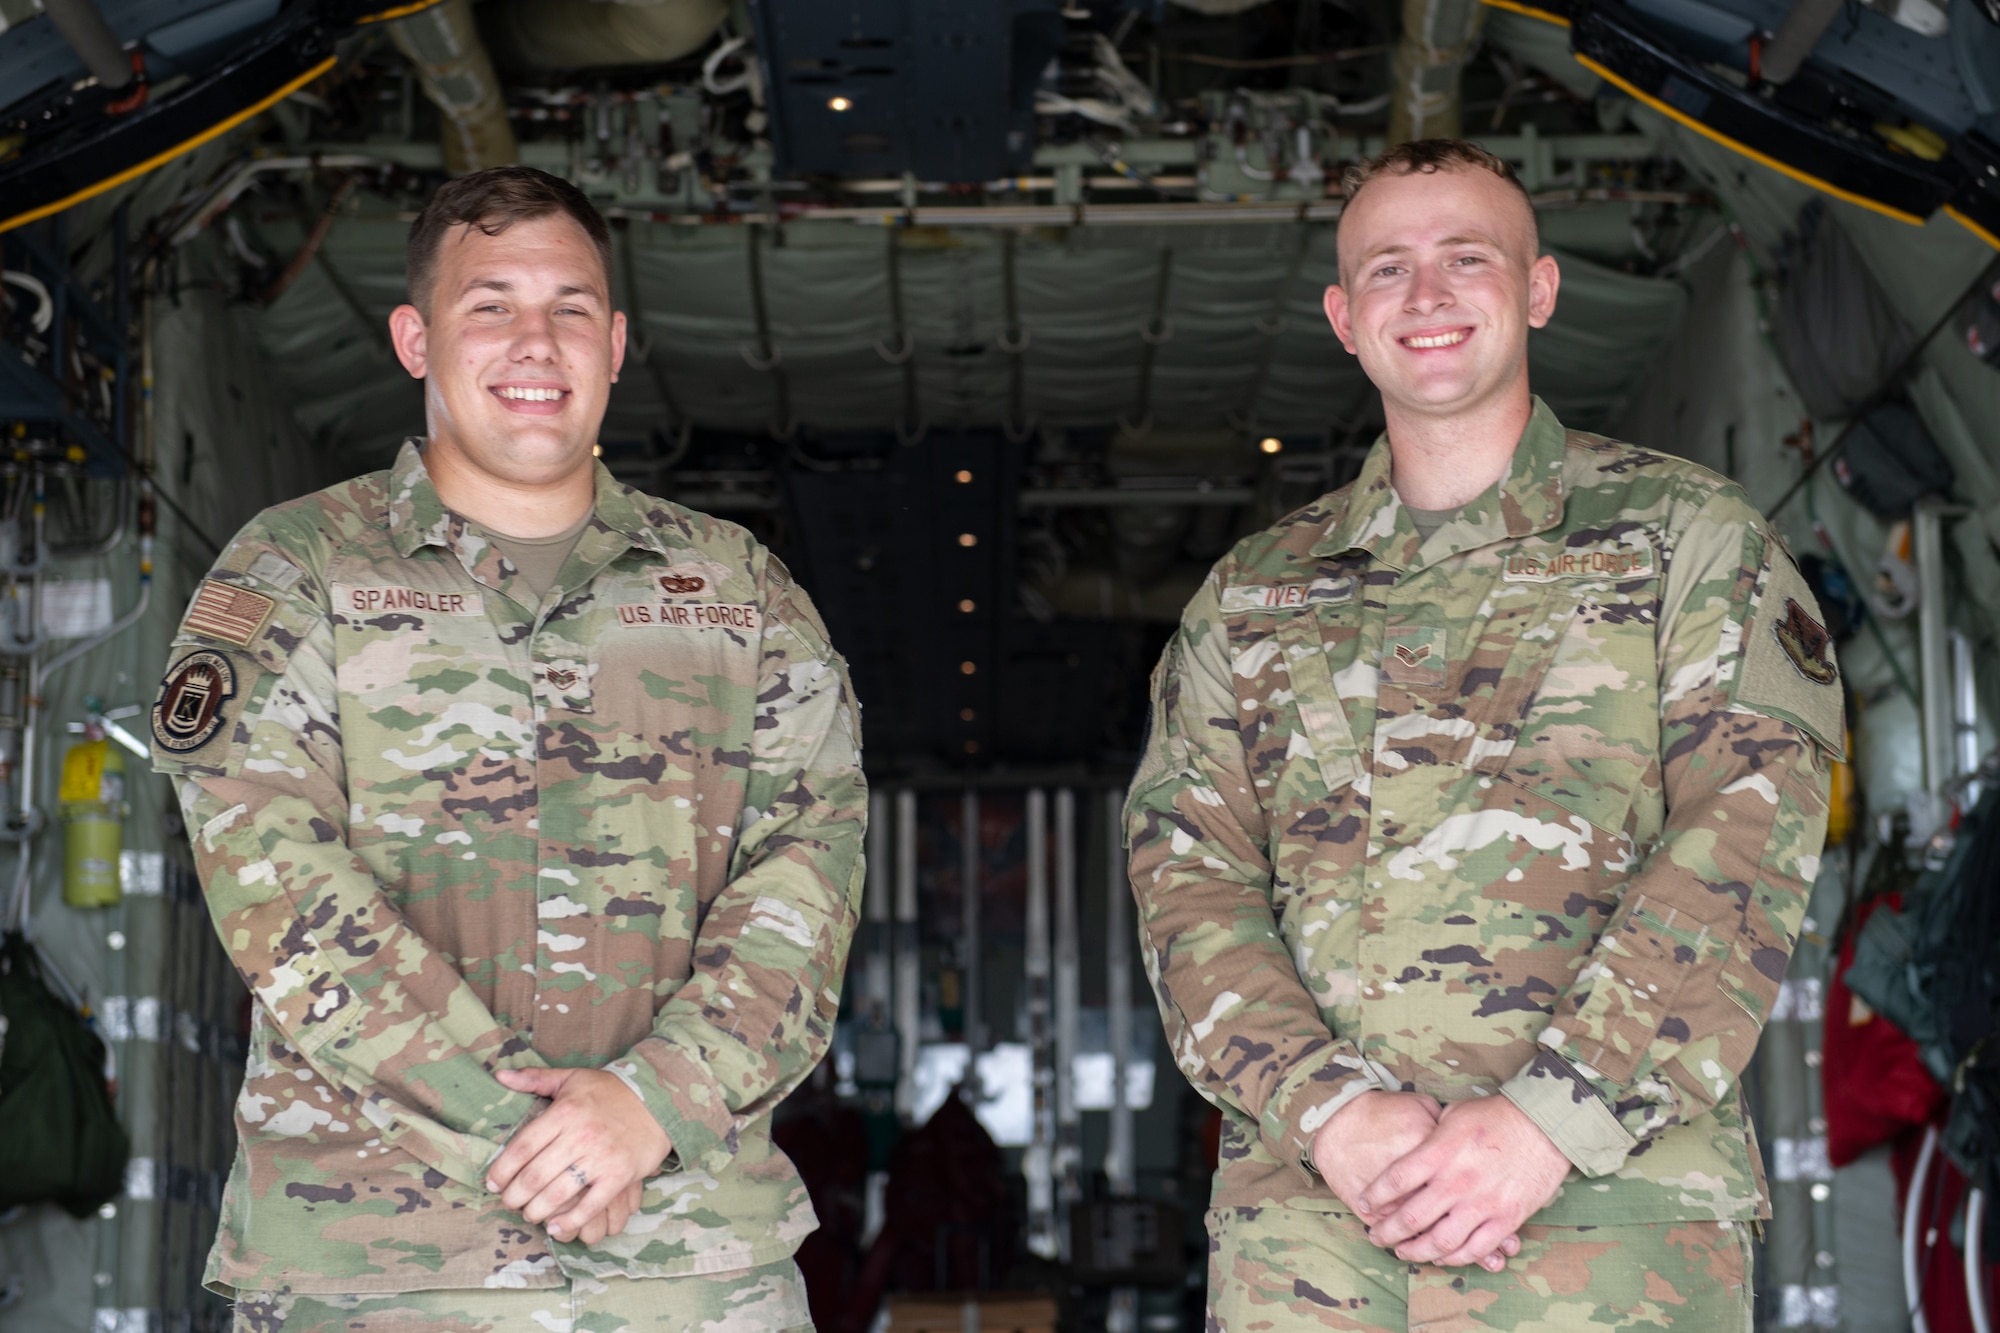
{"x":1875,"y":1082}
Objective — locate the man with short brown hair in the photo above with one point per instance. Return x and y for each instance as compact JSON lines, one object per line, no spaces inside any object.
{"x":530,"y":809}
{"x":1480,"y":809}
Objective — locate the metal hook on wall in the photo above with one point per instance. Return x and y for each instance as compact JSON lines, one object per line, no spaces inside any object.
{"x":905,"y":348}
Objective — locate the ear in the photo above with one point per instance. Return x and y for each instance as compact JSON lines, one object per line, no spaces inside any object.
{"x":406,"y":335}
{"x":1543,"y":280}
{"x":1342,"y":319}
{"x":617,"y":343}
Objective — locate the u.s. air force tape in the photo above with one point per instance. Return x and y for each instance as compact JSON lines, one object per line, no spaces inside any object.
{"x":189,"y":710}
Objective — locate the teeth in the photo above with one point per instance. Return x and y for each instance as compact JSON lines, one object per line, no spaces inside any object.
{"x":1441,"y":340}
{"x":531,"y":395}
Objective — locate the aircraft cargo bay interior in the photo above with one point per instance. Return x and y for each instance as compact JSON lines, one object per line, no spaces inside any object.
{"x":997,"y":402}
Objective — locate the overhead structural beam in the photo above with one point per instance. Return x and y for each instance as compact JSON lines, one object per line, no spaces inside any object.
{"x":593,"y":34}
{"x":1545,"y":160}
{"x":1437,"y":37}
{"x":1800,"y":30}
{"x":92,"y":39}
{"x":457,"y":74}
{"x":1090,"y":497}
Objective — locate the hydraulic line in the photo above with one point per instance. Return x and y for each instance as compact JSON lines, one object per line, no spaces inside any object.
{"x":1913,"y":1241}
{"x":766,"y":356}
{"x":1014,"y":342}
{"x":909,"y":423}
{"x":1975,"y":1260}
{"x":1156,"y":330}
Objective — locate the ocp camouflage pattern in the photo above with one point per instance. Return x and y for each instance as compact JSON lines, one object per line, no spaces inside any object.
{"x":1529,"y":808}
{"x":769,"y":1297}
{"x":446,"y":828}
{"x":1274,"y":1268}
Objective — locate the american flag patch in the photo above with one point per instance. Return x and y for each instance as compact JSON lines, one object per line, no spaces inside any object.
{"x":233,"y":615}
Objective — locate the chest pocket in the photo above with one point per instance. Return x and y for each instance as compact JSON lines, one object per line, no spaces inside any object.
{"x":1309,"y":646}
{"x":1586,"y":738}
{"x":422,"y":675}
{"x":1293,"y":725}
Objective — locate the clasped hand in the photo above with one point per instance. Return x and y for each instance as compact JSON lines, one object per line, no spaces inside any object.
{"x":1447,"y":1185}
{"x":581,"y":1164}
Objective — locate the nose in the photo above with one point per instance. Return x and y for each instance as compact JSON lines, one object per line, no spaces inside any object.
{"x":534,"y":337}
{"x":1429,"y":289}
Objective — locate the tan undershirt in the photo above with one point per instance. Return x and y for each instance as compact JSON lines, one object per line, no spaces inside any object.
{"x":539,"y":559}
{"x":1428,"y":521}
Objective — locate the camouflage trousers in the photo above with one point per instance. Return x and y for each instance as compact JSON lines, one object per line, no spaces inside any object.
{"x":767,"y":1299}
{"x":1274,"y":1270}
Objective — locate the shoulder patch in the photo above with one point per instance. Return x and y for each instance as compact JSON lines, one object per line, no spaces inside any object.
{"x":272,"y":568}
{"x":189,"y":709}
{"x":1788,"y":669}
{"x":1806,"y":643}
{"x":226,"y":612}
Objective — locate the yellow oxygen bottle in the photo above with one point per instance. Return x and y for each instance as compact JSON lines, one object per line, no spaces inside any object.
{"x":92,"y":800}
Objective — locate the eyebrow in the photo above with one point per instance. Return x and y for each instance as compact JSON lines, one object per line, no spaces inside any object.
{"x":1468,"y":238}
{"x":503,"y":286}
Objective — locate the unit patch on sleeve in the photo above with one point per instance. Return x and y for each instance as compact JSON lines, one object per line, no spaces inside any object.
{"x":1790,"y":669}
{"x":189,"y":709}
{"x":1805,"y":642}
{"x":229,"y":613}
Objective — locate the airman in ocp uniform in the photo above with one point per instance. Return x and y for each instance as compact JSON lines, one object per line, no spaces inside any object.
{"x":1478,"y":817}
{"x":530,"y":809}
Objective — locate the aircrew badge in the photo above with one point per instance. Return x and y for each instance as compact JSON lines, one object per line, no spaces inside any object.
{"x":682,"y":584}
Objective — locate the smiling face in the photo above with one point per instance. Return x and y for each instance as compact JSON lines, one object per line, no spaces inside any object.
{"x":1439,"y":286}
{"x":518,"y":352}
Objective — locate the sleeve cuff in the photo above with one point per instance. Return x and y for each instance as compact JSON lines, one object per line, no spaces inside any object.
{"x":454,"y":1155}
{"x":687,"y":1102}
{"x":1563,"y":1106}
{"x":1312,"y":1092}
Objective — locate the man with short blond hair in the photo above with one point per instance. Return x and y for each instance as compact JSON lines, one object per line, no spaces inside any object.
{"x":1481,"y":804}
{"x":530,"y":808}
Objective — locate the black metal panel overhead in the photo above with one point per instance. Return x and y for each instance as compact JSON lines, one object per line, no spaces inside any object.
{"x":943,"y":89}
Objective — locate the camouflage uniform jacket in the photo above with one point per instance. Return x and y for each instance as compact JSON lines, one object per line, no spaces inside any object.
{"x":444,"y":830}
{"x":1529,"y":808}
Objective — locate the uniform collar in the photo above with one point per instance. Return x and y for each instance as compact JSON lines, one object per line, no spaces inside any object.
{"x":418,"y":518}
{"x":1529,"y":499}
